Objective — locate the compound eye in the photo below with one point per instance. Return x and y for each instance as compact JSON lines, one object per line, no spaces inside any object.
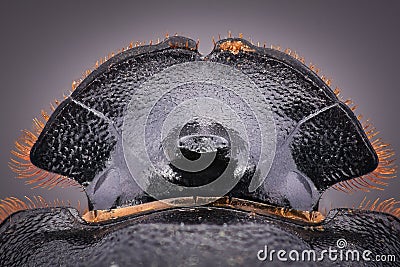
{"x":298,"y":191}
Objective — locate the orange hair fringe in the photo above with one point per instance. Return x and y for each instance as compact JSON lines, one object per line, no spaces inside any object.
{"x":11,"y":205}
{"x":390,"y":206}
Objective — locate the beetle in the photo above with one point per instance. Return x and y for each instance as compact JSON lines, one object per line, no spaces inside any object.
{"x":244,"y":136}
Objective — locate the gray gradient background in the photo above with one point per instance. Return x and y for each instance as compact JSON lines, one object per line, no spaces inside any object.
{"x":46,"y":44}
